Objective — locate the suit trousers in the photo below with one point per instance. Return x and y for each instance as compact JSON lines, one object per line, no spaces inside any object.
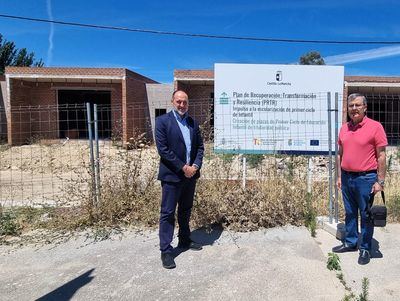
{"x":175,"y":194}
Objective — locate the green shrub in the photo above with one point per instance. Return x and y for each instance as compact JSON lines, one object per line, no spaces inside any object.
{"x":365,"y":288}
{"x":310,"y":216}
{"x":333,"y":262}
{"x":254,"y":160}
{"x":9,"y":224}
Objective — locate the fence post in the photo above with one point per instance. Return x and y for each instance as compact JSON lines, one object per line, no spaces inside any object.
{"x":97,"y":159}
{"x":89,"y":121}
{"x":330,"y":157}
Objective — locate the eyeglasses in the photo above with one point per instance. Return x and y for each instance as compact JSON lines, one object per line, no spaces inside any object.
{"x":355,"y":105}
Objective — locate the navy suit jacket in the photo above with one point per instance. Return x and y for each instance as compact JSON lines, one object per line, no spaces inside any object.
{"x":172,"y":149}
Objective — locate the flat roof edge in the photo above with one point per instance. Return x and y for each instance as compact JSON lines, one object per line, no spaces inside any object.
{"x":371,"y":84}
{"x":193,"y":78}
{"x":42,"y":76}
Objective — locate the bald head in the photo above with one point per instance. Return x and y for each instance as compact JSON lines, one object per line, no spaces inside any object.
{"x":180,"y":102}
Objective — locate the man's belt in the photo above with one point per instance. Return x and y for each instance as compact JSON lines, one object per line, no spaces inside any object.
{"x":359,"y":173}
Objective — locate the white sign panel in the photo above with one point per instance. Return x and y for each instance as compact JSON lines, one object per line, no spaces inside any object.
{"x":275,"y":108}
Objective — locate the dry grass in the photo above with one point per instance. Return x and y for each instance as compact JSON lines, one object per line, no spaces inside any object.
{"x":276,"y":192}
{"x":262,"y":204}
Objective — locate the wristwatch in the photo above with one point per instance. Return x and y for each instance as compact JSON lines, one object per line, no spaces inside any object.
{"x":381,"y":182}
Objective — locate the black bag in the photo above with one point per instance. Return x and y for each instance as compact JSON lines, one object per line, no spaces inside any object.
{"x":377,"y":213}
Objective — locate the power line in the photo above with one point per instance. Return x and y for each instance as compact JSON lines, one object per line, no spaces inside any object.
{"x":197,"y":35}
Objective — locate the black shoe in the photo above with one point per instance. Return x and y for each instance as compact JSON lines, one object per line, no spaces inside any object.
{"x":364,"y":257}
{"x":168,"y":261}
{"x":343,"y":249}
{"x":190,"y":245}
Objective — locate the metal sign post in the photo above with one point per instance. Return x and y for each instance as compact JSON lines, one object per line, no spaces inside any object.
{"x":330,"y":158}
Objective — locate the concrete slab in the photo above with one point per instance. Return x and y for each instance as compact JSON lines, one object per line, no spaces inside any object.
{"x":274,"y":264}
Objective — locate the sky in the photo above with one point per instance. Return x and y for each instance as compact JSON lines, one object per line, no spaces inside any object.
{"x":156,"y":56}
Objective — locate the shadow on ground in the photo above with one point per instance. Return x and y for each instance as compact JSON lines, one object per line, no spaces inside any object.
{"x":206,"y":236}
{"x":375,"y":251}
{"x":66,"y":291}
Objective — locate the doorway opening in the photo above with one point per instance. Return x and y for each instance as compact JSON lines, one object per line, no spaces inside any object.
{"x":72,"y":113}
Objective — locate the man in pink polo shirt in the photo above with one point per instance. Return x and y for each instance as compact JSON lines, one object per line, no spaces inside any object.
{"x":361,"y":171}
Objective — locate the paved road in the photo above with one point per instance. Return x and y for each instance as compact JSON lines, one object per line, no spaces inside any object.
{"x":383,"y":271}
{"x":275,"y":264}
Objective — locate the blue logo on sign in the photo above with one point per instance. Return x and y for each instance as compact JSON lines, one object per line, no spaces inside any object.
{"x":314,"y":142}
{"x":224,"y":100}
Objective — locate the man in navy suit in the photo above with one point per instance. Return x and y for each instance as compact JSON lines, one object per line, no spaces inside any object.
{"x":180,"y":146}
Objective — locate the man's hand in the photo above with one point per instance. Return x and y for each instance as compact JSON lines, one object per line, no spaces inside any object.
{"x":189,"y":171}
{"x":376,"y":188}
{"x":339,"y":183}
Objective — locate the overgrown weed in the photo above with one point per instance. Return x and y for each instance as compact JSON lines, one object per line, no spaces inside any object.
{"x":363,"y":296}
{"x":254,"y":160}
{"x":310,"y":218}
{"x":263,"y":204}
{"x":9,"y":224}
{"x":129,"y":194}
{"x":392,"y":195}
{"x":275,"y":194}
{"x":16,"y":220}
{"x":333,"y":263}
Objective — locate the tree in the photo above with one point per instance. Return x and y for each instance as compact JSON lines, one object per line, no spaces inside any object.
{"x":10,"y":55}
{"x":312,"y":58}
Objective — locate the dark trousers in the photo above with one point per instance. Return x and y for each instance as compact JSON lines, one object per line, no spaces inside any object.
{"x":174,"y":194}
{"x":356,"y":190}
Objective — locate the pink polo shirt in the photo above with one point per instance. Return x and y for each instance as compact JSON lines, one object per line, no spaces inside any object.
{"x":359,"y":144}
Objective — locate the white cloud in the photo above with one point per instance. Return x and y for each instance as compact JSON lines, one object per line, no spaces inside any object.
{"x":51,"y":34}
{"x":364,"y":55}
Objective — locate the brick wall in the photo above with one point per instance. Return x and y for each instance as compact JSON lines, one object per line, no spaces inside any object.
{"x":128,"y":99}
{"x":344,"y":107}
{"x":135,"y":106}
{"x":200,"y":100}
{"x":3,"y":116}
{"x":193,"y":74}
{"x":135,"y":110}
{"x":18,"y":125}
{"x":40,"y":120}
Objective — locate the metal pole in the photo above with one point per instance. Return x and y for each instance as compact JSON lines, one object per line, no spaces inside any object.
{"x":244,"y":173}
{"x":89,"y":121}
{"x":336,"y":153}
{"x":97,"y":166}
{"x":330,"y":157}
